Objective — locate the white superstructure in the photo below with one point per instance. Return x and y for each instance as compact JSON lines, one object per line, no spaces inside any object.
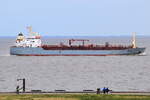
{"x":33,"y":40}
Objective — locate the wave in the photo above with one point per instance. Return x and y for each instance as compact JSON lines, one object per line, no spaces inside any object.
{"x":143,"y":54}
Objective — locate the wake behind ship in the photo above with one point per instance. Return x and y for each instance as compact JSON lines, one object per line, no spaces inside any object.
{"x":32,"y":46}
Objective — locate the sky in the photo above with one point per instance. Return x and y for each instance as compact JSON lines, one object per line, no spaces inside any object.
{"x":75,"y":17}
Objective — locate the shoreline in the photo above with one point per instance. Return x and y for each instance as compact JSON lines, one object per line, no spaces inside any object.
{"x":79,"y":92}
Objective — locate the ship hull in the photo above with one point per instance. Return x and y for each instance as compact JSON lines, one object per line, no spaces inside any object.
{"x":37,"y":51}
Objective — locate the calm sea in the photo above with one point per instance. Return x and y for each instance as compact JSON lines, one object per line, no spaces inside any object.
{"x":76,"y":73}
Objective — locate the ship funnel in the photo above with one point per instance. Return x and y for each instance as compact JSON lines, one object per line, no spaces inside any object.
{"x":133,"y":40}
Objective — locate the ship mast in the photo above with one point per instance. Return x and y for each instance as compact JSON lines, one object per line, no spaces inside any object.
{"x":133,"y":40}
{"x":30,"y":29}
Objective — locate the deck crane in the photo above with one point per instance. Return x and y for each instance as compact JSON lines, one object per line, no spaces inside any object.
{"x":82,"y":40}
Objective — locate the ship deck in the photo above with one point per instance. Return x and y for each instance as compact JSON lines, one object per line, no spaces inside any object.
{"x":88,"y":47}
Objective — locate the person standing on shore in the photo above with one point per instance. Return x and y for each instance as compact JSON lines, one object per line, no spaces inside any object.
{"x":104,"y":90}
{"x":98,"y":90}
{"x":107,"y":90}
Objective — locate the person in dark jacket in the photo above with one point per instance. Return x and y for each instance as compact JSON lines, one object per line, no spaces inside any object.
{"x":98,"y":90}
{"x":104,"y":90}
{"x":107,"y":90}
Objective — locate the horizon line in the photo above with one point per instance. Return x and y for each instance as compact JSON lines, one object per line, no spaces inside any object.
{"x":82,"y":35}
{"x":103,"y":35}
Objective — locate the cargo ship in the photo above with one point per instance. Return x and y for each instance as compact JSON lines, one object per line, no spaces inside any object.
{"x":32,"y":46}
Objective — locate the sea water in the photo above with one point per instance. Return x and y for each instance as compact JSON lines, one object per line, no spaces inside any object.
{"x":76,"y":73}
